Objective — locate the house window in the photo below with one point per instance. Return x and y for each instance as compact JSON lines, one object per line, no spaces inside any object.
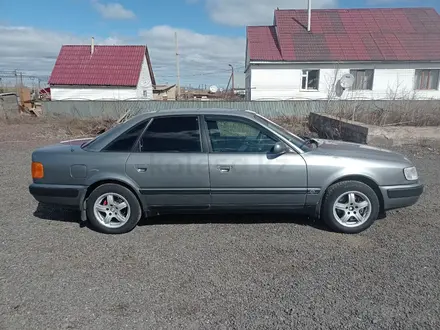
{"x":363,"y":79}
{"x":145,"y":93}
{"x":310,"y":80}
{"x":427,"y":79}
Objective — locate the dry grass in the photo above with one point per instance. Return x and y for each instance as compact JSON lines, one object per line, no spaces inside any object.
{"x":296,"y":125}
{"x":418,"y":114}
{"x":88,"y":127}
{"x":77,"y":127}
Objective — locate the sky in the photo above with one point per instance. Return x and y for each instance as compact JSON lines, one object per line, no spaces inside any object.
{"x":211,"y":33}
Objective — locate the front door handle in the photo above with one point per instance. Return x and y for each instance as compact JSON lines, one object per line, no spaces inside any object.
{"x":224,"y":169}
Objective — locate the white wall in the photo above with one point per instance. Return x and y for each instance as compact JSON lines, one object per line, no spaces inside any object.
{"x":283,"y":81}
{"x":107,"y":93}
{"x":92,"y":93}
{"x":144,"y":83}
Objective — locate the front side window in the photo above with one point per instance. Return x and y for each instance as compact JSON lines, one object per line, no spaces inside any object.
{"x":310,"y":80}
{"x":289,"y":136}
{"x":228,"y":135}
{"x":172,"y":134}
{"x":427,"y":79}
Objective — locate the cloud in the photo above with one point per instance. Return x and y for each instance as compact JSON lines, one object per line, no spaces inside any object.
{"x":113,"y":10}
{"x":200,"y":54}
{"x":204,"y":59}
{"x":255,"y":12}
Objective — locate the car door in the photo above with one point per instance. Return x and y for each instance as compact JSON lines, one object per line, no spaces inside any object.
{"x":170,"y":164}
{"x":241,"y":170}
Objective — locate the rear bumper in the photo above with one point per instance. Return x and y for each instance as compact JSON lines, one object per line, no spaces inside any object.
{"x":58,"y":194}
{"x":396,"y":197}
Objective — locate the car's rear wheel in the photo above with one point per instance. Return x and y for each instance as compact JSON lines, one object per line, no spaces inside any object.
{"x":113,"y":209}
{"x":350,"y":207}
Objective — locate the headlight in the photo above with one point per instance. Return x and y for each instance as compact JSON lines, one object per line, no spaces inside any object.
{"x":410,"y":173}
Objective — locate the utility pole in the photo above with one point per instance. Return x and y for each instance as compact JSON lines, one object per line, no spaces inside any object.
{"x":16,"y":82}
{"x":39,"y":88}
{"x":232,"y":80}
{"x":177,"y":66}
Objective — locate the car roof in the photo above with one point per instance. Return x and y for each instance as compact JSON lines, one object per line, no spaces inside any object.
{"x":195,"y":111}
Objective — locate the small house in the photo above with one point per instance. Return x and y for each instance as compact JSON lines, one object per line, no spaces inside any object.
{"x":92,"y":72}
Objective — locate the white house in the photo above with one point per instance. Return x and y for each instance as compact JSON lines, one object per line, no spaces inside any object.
{"x":102,"y":73}
{"x":392,"y":53}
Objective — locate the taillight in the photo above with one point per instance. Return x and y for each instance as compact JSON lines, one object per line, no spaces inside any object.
{"x":37,"y":170}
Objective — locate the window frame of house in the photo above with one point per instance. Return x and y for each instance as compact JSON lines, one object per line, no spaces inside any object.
{"x":305,"y":74}
{"x":417,"y":81}
{"x":369,"y":83}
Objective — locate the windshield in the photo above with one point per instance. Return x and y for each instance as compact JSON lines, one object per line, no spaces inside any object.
{"x":294,"y":139}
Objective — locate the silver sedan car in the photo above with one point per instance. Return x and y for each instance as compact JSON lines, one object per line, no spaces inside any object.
{"x":211,"y":160}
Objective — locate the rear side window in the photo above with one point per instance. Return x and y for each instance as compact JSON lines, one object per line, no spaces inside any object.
{"x":125,"y":141}
{"x":172,"y":134}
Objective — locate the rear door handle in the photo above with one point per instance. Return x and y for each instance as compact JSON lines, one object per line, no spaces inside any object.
{"x":141,"y":168}
{"x":224,"y":168}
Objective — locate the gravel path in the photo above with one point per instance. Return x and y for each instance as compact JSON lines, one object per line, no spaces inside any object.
{"x":265,"y":272}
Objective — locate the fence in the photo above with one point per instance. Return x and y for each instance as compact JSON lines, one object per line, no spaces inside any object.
{"x":114,"y":109}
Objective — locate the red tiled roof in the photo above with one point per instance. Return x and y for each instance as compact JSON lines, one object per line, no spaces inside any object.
{"x":389,"y":34}
{"x":107,"y":66}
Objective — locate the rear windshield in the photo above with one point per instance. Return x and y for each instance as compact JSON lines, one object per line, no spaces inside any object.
{"x":102,"y":136}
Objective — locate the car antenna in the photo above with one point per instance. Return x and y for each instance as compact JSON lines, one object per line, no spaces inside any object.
{"x":71,"y":146}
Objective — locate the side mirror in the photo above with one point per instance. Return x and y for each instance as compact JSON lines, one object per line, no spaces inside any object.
{"x":279,"y":148}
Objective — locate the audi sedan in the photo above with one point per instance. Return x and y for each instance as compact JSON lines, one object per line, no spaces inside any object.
{"x":212,"y":160}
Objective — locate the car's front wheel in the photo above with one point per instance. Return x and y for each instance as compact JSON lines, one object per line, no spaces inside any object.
{"x":350,"y":207}
{"x":113,"y":209}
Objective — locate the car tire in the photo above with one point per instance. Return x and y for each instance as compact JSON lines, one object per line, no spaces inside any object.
{"x":100,"y":208}
{"x":337,"y":207}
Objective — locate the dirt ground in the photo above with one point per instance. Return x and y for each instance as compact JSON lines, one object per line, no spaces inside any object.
{"x":212,"y":272}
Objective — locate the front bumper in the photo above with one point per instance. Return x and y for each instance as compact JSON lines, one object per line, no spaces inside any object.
{"x":400,"y":196}
{"x":68,"y":195}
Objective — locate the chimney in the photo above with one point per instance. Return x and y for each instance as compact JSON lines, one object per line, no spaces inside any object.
{"x":309,"y":15}
{"x":92,"y":48}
